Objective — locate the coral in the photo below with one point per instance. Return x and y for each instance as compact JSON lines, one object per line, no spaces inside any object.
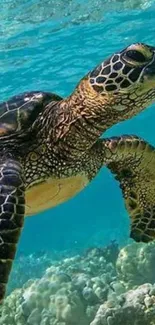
{"x":69,"y":293}
{"x":110,"y":252}
{"x":34,"y":264}
{"x":87,"y":290}
{"x":136,"y":307}
{"x":136,"y":264}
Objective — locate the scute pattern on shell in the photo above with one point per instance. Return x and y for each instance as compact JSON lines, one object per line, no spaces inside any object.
{"x":20,"y":111}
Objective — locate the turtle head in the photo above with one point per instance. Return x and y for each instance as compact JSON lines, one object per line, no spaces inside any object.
{"x":126,"y":80}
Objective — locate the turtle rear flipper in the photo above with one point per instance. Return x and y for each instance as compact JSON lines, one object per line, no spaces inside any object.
{"x":12,"y":208}
{"x":134,"y":167}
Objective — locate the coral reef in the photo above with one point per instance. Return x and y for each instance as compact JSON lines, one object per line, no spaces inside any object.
{"x":34,"y":264}
{"x":69,"y":293}
{"x":136,"y":264}
{"x":136,"y":307}
{"x":101,"y":287}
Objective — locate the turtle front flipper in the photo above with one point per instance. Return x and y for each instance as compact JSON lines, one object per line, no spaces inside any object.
{"x":132,"y":160}
{"x":12,"y":208}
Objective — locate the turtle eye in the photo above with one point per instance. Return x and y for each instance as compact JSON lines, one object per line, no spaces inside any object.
{"x":135,"y":56}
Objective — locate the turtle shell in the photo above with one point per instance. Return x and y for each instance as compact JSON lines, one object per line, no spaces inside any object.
{"x":19,"y":112}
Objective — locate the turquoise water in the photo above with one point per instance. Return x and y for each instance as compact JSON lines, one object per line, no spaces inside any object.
{"x":50,"y":46}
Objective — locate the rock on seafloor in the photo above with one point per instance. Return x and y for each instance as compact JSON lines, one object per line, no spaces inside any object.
{"x":100,"y":287}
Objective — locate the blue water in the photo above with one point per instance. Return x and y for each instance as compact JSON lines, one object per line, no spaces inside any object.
{"x":50,"y":45}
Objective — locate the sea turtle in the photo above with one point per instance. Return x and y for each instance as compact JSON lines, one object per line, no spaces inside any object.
{"x":51,"y":147}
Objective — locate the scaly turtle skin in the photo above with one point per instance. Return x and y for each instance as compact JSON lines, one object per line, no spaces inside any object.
{"x":50,"y":147}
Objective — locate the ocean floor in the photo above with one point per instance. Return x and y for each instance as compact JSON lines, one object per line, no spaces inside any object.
{"x":101,"y":286}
